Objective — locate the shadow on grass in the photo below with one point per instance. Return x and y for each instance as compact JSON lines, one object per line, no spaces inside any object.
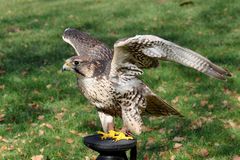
{"x":222,"y":17}
{"x":220,"y":141}
{"x":24,"y":113}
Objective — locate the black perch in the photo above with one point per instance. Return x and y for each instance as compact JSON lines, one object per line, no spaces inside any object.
{"x":111,"y":150}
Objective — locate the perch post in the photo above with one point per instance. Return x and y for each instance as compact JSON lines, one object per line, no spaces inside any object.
{"x":111,"y":150}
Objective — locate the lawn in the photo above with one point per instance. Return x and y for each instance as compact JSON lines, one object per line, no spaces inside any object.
{"x":43,"y":113}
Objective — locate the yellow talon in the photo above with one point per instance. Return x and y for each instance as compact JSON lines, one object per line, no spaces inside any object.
{"x":122,"y":136}
{"x":116,"y":136}
{"x":110,"y":134}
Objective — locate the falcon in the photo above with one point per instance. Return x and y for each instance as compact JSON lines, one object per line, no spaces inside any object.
{"x":109,"y":79}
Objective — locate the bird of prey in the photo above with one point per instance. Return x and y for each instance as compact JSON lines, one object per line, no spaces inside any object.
{"x":109,"y":79}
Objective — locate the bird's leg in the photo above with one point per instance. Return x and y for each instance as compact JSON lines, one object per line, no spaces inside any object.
{"x":110,"y":133}
{"x":122,"y":135}
{"x":108,"y":127}
{"x":116,"y":136}
{"x":107,"y":124}
{"x":126,"y":131}
{"x":127,"y":117}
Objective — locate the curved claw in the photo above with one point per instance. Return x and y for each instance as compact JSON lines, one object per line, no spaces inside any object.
{"x":116,"y":136}
{"x":103,"y":135}
{"x":110,"y":134}
{"x":122,"y":136}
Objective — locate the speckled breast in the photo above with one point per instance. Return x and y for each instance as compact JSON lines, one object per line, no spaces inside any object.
{"x":100,"y":92}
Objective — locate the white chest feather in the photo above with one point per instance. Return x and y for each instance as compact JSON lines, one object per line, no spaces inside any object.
{"x":97,"y":90}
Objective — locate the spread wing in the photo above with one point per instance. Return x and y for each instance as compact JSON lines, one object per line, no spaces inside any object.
{"x":84,"y":44}
{"x":144,"y":51}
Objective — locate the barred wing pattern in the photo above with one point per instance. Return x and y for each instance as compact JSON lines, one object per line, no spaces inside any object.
{"x":84,"y":44}
{"x":144,"y":51}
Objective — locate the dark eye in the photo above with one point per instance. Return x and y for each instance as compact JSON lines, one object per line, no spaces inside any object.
{"x":76,"y":63}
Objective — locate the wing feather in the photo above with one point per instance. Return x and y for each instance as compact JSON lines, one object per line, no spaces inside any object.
{"x":144,"y":51}
{"x":84,"y":44}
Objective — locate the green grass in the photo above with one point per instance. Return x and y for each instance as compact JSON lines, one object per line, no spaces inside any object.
{"x":32,"y":53}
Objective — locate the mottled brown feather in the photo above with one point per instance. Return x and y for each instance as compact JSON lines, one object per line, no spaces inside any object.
{"x":83,"y":43}
{"x":145,"y":51}
{"x":158,"y":107}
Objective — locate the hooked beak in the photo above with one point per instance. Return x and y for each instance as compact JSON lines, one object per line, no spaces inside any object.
{"x":67,"y":67}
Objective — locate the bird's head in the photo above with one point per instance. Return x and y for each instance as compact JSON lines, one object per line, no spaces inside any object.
{"x":83,"y":66}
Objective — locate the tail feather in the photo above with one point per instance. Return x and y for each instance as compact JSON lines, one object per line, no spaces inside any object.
{"x":157,"y":107}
